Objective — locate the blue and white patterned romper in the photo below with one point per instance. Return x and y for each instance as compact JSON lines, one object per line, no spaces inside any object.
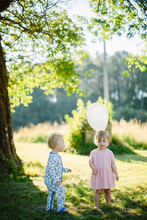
{"x":53,"y":173}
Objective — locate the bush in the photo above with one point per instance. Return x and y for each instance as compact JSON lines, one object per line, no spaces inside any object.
{"x":78,"y":124}
{"x":119,"y":146}
{"x":135,"y":144}
{"x":133,"y":133}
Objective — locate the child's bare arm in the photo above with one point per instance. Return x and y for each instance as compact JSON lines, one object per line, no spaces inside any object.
{"x":94,"y":170}
{"x":114,"y":168}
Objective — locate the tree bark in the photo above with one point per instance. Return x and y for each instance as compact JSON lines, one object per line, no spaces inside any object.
{"x":8,"y":158}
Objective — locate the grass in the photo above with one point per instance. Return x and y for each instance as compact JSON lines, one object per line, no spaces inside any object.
{"x":38,"y":133}
{"x":127,"y":135}
{"x":24,"y":198}
{"x":133,"y":133}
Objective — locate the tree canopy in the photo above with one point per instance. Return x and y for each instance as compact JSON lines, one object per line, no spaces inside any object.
{"x":41,"y":44}
{"x":118,"y":16}
{"x":127,"y":94}
{"x":121,"y":16}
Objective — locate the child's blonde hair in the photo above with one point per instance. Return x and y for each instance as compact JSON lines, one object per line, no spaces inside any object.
{"x":101,"y":134}
{"x":53,"y":138}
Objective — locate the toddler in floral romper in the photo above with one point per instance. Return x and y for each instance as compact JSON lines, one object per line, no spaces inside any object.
{"x":53,"y":174}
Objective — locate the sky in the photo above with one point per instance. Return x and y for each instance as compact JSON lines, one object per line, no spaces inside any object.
{"x":133,"y":46}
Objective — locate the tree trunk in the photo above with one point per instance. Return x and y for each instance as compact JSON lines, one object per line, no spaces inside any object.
{"x":4,"y":4}
{"x":9,"y":161}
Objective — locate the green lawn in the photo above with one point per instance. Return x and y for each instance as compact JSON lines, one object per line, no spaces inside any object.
{"x":25,"y":197}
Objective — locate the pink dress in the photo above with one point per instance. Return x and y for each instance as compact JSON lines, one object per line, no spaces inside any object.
{"x":104,"y":178}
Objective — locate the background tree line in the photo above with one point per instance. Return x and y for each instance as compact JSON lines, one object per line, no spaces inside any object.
{"x":128,"y":94}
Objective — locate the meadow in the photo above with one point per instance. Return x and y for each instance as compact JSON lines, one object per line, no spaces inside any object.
{"x":24,"y":197}
{"x":132,"y":133}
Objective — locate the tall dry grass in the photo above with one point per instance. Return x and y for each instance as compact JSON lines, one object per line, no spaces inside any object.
{"x":133,"y":132}
{"x":39,"y":133}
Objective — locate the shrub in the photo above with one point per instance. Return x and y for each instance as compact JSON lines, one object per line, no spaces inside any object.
{"x":78,"y":124}
{"x":119,"y":146}
{"x":133,"y":133}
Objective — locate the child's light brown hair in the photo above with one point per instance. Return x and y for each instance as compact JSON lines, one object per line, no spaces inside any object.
{"x":101,"y":134}
{"x":53,"y":138}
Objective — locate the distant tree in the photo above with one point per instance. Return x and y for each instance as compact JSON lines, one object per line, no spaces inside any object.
{"x":93,"y":86}
{"x":118,"y":84}
{"x":44,"y":108}
{"x":117,"y":17}
{"x":129,"y":90}
{"x":125,"y":92}
{"x":128,"y":94}
{"x":139,"y":85}
{"x":33,"y":32}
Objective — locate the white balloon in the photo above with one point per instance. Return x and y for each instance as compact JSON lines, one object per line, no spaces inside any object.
{"x":97,"y":116}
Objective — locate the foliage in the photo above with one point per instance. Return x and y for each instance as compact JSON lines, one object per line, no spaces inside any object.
{"x":132,"y":142}
{"x":125,"y":135}
{"x":27,"y":198}
{"x":127,"y":94}
{"x":44,"y":108}
{"x":126,"y":91}
{"x":119,"y":146}
{"x":109,"y":107}
{"x":41,"y":44}
{"x":14,"y":172}
{"x":78,"y":125}
{"x":12,"y":168}
{"x":128,"y":113}
{"x":117,"y":17}
{"x":139,"y":62}
{"x":132,"y":134}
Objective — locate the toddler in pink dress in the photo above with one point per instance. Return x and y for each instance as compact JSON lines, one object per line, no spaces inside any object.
{"x":102,"y":163}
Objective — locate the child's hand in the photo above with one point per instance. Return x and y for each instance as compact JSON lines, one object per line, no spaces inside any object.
{"x":117,"y":177}
{"x":94,"y":171}
{"x":58,"y":183}
{"x":69,"y":171}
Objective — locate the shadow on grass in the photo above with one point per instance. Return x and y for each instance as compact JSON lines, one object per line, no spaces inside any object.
{"x":131,"y":157}
{"x":24,"y":201}
{"x":121,"y":151}
{"x":130,"y":204}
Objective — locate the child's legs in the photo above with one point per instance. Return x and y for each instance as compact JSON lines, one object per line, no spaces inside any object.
{"x":61,"y":198}
{"x":50,"y":200}
{"x":107,"y":195}
{"x":97,"y":197}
